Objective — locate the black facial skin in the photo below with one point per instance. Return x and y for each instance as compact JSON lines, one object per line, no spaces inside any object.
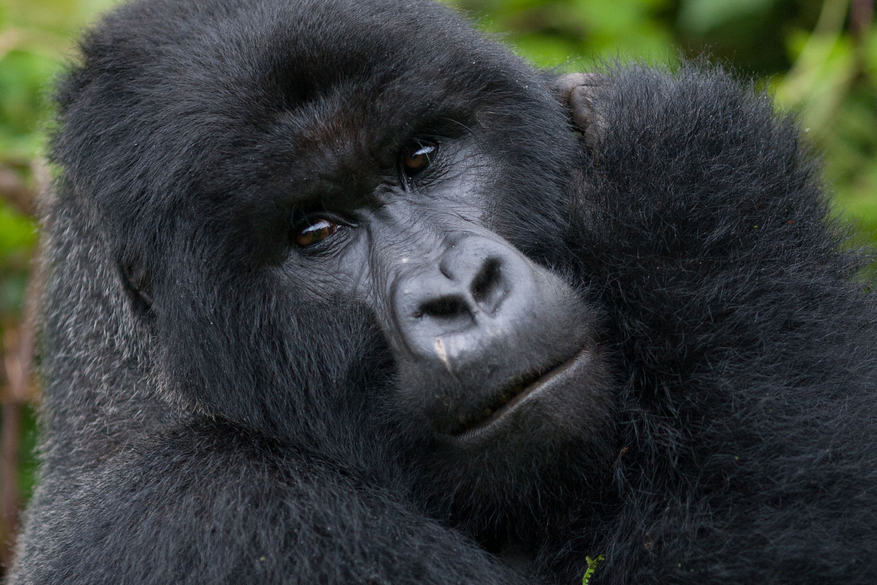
{"x":485,"y":343}
{"x":472,"y":323}
{"x":340,"y":291}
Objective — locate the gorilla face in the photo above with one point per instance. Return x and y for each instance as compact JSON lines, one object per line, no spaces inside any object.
{"x":324,"y":235}
{"x":493,"y":355}
{"x":488,"y":345}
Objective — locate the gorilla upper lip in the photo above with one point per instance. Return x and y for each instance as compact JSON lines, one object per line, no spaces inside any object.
{"x":520,"y":390}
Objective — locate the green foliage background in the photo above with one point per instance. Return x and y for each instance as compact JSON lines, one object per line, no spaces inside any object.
{"x":819,"y":57}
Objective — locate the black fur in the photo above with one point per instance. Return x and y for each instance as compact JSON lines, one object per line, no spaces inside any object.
{"x":218,"y":410}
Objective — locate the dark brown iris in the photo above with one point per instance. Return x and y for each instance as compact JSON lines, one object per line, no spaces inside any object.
{"x":417,"y":156}
{"x":315,"y":232}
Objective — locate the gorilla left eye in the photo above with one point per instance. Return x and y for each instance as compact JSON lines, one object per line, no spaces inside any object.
{"x":417,"y":156}
{"x":314,"y":232}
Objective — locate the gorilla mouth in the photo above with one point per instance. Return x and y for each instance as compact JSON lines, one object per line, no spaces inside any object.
{"x":521,"y":390}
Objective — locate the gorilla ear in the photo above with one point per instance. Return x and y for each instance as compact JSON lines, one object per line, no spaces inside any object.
{"x":577,"y":92}
{"x":138,"y":285}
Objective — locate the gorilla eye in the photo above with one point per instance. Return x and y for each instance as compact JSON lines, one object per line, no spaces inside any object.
{"x":418,"y":155}
{"x":314,"y":233}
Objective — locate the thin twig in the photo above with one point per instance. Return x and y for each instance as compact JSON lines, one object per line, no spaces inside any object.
{"x":14,"y":191}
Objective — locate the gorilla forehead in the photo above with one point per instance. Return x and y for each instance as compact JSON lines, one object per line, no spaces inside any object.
{"x":225,"y":97}
{"x":292,"y":52}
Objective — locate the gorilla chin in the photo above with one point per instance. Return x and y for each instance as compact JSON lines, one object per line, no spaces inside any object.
{"x":546,"y":394}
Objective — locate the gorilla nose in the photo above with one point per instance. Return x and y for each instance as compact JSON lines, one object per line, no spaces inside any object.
{"x":462,"y":290}
{"x":466,"y":285}
{"x":462,"y":308}
{"x":474,"y":323}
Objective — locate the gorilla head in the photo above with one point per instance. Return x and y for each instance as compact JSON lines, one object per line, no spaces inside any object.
{"x":332,"y":216}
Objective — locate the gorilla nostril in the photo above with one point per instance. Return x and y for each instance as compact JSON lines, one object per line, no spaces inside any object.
{"x":448,"y":306}
{"x":487,"y":287}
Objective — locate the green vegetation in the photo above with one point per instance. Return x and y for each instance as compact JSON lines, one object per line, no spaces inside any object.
{"x":818,"y":56}
{"x":592,"y":566}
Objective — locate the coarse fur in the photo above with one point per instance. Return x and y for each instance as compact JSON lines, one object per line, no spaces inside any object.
{"x":224,"y":406}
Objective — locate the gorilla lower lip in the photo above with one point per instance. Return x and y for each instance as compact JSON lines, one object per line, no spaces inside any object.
{"x":528,"y":388}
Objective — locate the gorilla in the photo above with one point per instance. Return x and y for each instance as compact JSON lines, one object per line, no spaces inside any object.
{"x":341,"y":291}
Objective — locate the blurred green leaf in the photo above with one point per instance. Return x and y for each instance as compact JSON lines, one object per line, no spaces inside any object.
{"x":869,"y":50}
{"x":16,"y":231}
{"x":23,"y":78}
{"x":701,"y":16}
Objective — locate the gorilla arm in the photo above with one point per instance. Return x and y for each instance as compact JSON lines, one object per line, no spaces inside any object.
{"x":701,"y":226}
{"x":232,"y":509}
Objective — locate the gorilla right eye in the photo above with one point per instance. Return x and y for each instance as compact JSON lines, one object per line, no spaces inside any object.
{"x":417,"y":155}
{"x":312,"y":233}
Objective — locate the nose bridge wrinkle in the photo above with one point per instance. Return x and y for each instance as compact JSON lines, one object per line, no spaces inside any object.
{"x":405,"y":235}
